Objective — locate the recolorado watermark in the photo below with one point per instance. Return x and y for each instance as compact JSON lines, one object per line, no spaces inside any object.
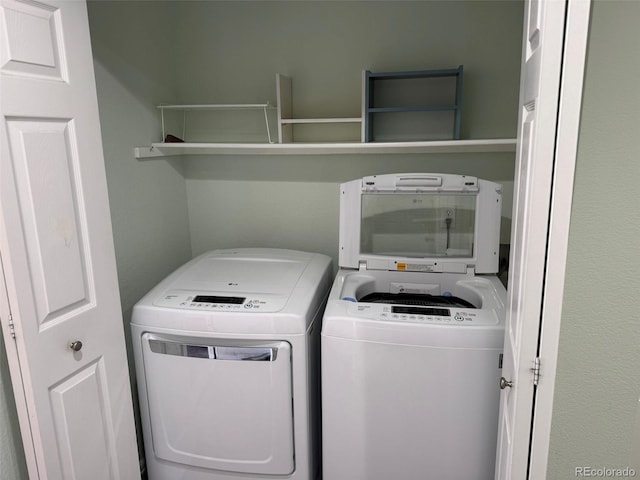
{"x":605,"y":472}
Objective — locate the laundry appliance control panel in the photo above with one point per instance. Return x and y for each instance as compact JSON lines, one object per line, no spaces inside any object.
{"x":420,"y":314}
{"x":222,"y":302}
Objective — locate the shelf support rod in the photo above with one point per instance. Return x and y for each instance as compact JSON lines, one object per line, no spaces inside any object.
{"x":184,"y":124}
{"x":266,"y":121}
{"x":162,"y":117}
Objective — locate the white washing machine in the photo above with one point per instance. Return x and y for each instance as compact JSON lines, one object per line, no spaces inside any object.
{"x":226,"y":352}
{"x":412,"y":335}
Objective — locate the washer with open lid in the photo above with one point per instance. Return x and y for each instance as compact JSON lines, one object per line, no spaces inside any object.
{"x":413,"y":330}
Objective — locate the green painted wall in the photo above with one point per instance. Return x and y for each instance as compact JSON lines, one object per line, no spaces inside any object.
{"x":131,"y":50}
{"x":148,"y":200}
{"x":231,"y":53}
{"x":598,"y":376}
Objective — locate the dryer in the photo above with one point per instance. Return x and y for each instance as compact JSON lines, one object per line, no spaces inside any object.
{"x":226,"y":355}
{"x":412,"y":335}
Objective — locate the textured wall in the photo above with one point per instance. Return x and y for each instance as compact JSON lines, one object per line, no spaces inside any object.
{"x":293,"y":202}
{"x":132,"y":48}
{"x":230,"y":52}
{"x":598,"y":379}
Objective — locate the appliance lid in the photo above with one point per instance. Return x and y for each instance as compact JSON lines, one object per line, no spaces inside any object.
{"x":233,"y":271}
{"x":439,"y":223}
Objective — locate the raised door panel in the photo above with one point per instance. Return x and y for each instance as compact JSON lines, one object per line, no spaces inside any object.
{"x":82,"y":417}
{"x":32,"y":40}
{"x":43,"y":157}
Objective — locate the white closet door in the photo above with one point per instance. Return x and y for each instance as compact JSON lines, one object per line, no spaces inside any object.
{"x":539,"y":91}
{"x":57,"y":251}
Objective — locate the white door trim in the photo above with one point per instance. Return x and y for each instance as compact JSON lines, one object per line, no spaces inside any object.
{"x":542,"y":55}
{"x":569,"y":108}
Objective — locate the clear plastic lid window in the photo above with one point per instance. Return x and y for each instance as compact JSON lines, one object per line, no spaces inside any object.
{"x":418,"y":225}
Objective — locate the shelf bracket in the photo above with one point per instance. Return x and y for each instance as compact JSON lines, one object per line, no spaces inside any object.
{"x":266,"y":122}
{"x":147,"y":152}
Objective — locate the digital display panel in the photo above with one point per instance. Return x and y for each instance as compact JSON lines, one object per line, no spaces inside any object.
{"x":219,"y":299}
{"x":441,"y":312}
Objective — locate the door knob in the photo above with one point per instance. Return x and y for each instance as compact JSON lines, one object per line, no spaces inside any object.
{"x":76,"y":345}
{"x":504,"y":383}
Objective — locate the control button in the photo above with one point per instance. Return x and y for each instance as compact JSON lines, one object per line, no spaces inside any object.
{"x":459,"y":318}
{"x":248,"y":305}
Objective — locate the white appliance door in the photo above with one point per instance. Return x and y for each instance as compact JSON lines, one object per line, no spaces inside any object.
{"x":540,"y":85}
{"x":224,"y":405}
{"x":56,"y":244}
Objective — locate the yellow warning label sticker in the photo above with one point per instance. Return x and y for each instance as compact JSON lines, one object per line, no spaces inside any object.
{"x":414,"y":267}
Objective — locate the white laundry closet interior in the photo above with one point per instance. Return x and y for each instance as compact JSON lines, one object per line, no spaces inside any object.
{"x":165,"y":210}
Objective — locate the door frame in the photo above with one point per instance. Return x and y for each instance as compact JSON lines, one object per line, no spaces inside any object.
{"x":577,"y":18}
{"x":13,"y":361}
